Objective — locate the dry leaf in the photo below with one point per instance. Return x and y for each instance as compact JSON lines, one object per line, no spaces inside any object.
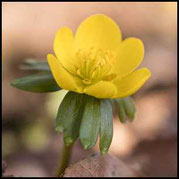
{"x":99,"y":166}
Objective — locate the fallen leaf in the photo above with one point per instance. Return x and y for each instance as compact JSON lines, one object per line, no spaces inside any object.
{"x":99,"y":166}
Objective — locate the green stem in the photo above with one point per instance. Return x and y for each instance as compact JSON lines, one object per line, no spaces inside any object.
{"x":64,"y":160}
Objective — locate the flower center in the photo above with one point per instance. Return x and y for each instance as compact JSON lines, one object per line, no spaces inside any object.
{"x":95,"y":65}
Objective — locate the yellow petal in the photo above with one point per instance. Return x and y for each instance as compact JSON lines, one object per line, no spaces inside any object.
{"x":128,"y":56}
{"x":97,"y":31}
{"x":101,"y":89}
{"x":64,"y":48}
{"x":131,"y":83}
{"x":63,"y":78}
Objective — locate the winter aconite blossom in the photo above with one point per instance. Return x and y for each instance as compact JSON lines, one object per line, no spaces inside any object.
{"x":96,"y":60}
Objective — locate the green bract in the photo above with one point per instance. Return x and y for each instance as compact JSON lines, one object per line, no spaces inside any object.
{"x":106,"y":125}
{"x":69,"y":116}
{"x":84,"y":116}
{"x":31,"y":64}
{"x":89,"y":128}
{"x":39,"y":83}
{"x":126,"y":108}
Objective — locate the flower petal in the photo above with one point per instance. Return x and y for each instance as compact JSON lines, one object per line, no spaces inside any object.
{"x":63,"y":78}
{"x":64,"y":48}
{"x":131,"y":83}
{"x":97,"y":31}
{"x":128,"y":56}
{"x":101,"y":89}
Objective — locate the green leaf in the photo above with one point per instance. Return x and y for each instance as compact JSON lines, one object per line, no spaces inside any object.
{"x":129,"y":107}
{"x":31,"y":64}
{"x":106,"y":125}
{"x":69,"y":116}
{"x":126,"y":107}
{"x":89,"y":128}
{"x":121,"y":110}
{"x":63,"y":111}
{"x":39,"y":83}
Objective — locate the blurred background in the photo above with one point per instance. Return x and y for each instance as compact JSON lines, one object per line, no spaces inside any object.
{"x":148,"y":145}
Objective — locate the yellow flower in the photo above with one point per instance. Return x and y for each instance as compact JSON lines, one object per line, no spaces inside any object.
{"x":96,"y":61}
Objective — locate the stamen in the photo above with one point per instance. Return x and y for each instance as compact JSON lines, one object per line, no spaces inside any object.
{"x":95,"y":65}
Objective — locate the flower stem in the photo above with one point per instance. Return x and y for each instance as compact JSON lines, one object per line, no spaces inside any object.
{"x":64,"y":160}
